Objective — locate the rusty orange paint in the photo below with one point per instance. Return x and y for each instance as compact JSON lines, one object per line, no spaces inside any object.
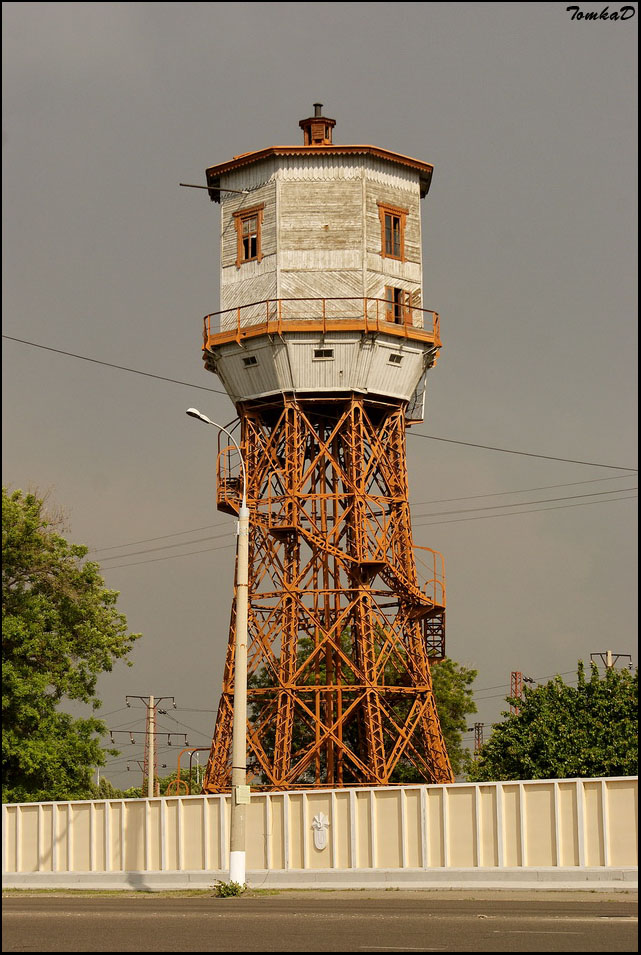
{"x":342,"y":631}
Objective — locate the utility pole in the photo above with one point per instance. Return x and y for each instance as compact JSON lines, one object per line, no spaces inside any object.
{"x":608,"y":658}
{"x":150,"y":770}
{"x":516,"y":689}
{"x":478,"y":735}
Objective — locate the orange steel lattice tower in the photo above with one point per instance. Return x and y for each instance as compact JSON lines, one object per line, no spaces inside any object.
{"x":322,"y":344}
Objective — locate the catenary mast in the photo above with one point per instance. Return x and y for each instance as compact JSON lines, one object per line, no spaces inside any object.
{"x":322,"y":343}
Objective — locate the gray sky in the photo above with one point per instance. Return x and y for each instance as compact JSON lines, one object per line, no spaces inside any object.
{"x":529,"y":256}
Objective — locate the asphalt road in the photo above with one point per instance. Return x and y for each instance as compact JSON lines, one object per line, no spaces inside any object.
{"x":384,"y":921}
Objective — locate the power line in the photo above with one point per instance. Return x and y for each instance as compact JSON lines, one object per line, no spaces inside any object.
{"x":417,"y":434}
{"x":539,"y":679}
{"x":149,"y":550}
{"x":180,"y":723}
{"x":545,"y":500}
{"x":499,"y":686}
{"x":150,"y":540}
{"x":153,"y":560}
{"x":108,"y":364}
{"x":182,"y":709}
{"x":529,"y":454}
{"x":103,"y":716}
{"x":415,"y":523}
{"x":444,"y":500}
{"x":486,"y":517}
{"x":523,"y":490}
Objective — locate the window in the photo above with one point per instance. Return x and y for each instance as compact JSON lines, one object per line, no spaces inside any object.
{"x":250,"y":361}
{"x":392,"y":231}
{"x":320,"y":353}
{"x":395,"y":359}
{"x":248,"y":228}
{"x":397,"y":305}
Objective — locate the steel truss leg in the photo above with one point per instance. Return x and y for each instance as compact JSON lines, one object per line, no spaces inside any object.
{"x":339,"y":684}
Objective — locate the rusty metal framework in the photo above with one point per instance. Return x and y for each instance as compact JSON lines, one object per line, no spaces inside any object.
{"x":341,"y":628}
{"x":478,"y":737}
{"x":516,"y":689}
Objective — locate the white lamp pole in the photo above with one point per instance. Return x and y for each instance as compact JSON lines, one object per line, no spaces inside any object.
{"x":151,"y":733}
{"x":239,"y":792}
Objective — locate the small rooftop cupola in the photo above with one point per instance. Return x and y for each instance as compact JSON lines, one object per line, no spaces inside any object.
{"x":317,"y":129}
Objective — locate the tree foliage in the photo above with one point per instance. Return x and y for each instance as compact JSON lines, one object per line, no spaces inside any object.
{"x":164,"y":786}
{"x":452,"y":684}
{"x":106,"y":790}
{"x":452,"y":691}
{"x":60,"y":631}
{"x":563,"y":731}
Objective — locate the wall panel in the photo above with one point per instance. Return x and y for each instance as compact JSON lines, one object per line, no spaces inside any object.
{"x":569,"y":824}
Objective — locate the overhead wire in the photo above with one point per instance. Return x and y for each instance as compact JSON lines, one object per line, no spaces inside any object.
{"x":445,"y":500}
{"x":150,"y":540}
{"x":545,"y":500}
{"x":108,"y":364}
{"x":418,"y":434}
{"x":536,"y":510}
{"x":529,"y":454}
{"x":208,"y":550}
{"x":539,"y":680}
{"x":411,"y":432}
{"x":151,"y":550}
{"x":522,"y":490}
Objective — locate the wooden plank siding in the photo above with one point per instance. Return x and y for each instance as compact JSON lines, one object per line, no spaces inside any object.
{"x":320,"y":216}
{"x":254,"y":281}
{"x":249,"y":177}
{"x":320,"y":233}
{"x":380,"y":270}
{"x":404,"y":199}
{"x":265,"y":196}
{"x":325,"y":283}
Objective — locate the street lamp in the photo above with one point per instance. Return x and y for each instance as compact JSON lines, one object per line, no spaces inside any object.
{"x":239,"y":788}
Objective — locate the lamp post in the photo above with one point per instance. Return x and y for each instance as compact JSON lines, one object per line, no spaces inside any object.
{"x":239,"y":789}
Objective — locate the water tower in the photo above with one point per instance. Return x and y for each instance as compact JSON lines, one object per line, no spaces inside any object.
{"x":322,"y":343}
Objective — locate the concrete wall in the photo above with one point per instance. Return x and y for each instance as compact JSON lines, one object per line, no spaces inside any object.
{"x":564,"y":824}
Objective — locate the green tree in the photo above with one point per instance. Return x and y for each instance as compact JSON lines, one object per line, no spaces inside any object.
{"x":60,"y":631}
{"x":106,"y":790}
{"x":167,"y":784}
{"x":453,"y":693}
{"x":563,"y":731}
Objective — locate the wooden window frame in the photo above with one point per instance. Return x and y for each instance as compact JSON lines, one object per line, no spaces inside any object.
{"x":240,"y":217}
{"x":398,"y":311}
{"x":394,"y":212}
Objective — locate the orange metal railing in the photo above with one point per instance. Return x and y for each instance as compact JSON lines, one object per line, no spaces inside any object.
{"x":273,"y":316}
{"x":228,"y":480}
{"x":435,"y":584}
